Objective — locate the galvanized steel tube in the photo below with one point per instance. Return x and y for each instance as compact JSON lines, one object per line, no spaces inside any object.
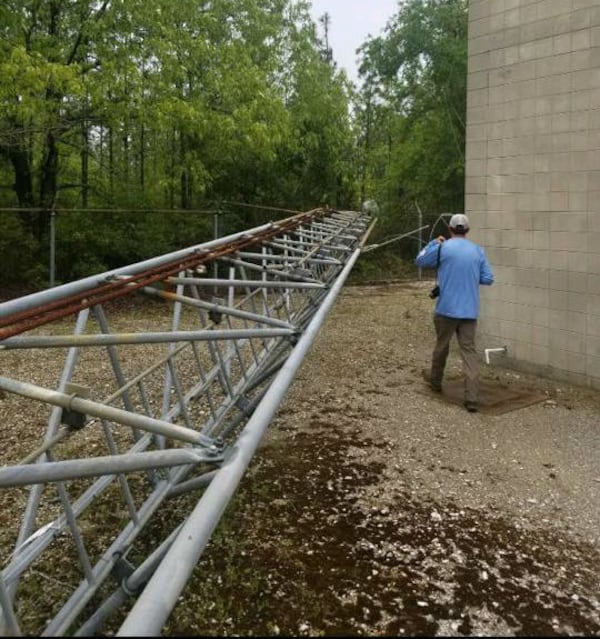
{"x":87,"y":407}
{"x":96,"y":466}
{"x":163,"y":337}
{"x":59,"y":292}
{"x":158,"y":599}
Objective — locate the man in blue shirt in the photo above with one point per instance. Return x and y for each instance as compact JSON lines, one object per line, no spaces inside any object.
{"x":462,"y":267}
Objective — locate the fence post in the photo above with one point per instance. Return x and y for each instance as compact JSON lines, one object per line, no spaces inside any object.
{"x":216,"y":237}
{"x":52,"y":247}
{"x":420,"y":236}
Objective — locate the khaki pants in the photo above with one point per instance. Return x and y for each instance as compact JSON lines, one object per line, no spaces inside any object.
{"x":465,"y":329}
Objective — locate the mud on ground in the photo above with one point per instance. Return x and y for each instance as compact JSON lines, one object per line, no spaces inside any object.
{"x":375,"y":508}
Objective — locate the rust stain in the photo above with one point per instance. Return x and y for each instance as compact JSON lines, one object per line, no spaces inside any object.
{"x":18,"y":323}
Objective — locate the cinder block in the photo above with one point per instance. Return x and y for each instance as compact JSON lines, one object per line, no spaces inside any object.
{"x":593,"y":314}
{"x":593,"y":370}
{"x":527,"y":13}
{"x":568,"y":241}
{"x":475,"y":202}
{"x":558,"y":300}
{"x":578,"y":201}
{"x":475,"y":184}
{"x":558,"y":279}
{"x":593,"y":286}
{"x":559,"y":202}
{"x":594,"y":201}
{"x":576,"y":261}
{"x":592,"y":262}
{"x":480,"y":62}
{"x":538,"y":355}
{"x":582,"y":59}
{"x":521,"y":350}
{"x":580,"y":19}
{"x":559,"y":181}
{"x":569,"y":222}
{"x":561,"y":44}
{"x":553,"y":8}
{"x":480,"y":44}
{"x":478,"y":10}
{"x":561,"y":162}
{"x":477,"y":80}
{"x":541,"y":317}
{"x":525,"y":257}
{"x":553,"y":64}
{"x":585,"y":78}
{"x":576,"y":363}
{"x":477,"y":28}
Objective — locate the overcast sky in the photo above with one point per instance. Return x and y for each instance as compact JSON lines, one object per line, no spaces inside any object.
{"x":351,"y":22}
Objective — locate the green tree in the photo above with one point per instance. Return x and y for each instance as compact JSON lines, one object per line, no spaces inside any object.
{"x":155,"y":104}
{"x":317,"y":156}
{"x":412,"y":112}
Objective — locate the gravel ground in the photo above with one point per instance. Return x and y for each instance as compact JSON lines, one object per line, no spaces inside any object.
{"x":376,"y":508}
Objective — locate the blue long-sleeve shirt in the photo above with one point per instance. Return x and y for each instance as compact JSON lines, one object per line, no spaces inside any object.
{"x":463,"y":267}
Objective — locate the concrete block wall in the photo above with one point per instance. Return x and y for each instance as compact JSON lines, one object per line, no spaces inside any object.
{"x":533,"y":180}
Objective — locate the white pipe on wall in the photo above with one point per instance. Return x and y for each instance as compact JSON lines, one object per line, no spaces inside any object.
{"x":502,"y":349}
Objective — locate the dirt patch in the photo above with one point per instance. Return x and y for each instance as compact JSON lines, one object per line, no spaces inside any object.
{"x":495,"y":398}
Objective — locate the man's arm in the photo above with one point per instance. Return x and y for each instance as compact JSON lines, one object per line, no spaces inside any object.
{"x":486,"y":276}
{"x":427,"y":258}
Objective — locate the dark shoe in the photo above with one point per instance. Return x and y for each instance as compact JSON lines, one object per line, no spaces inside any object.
{"x":472,"y":407}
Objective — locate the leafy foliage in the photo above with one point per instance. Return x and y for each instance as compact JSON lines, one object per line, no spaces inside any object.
{"x":123,"y":105}
{"x":412,"y":111}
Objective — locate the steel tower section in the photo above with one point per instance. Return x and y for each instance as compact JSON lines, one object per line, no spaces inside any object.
{"x":123,"y":435}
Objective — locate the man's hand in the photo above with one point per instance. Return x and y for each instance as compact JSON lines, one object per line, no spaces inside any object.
{"x":441,"y":239}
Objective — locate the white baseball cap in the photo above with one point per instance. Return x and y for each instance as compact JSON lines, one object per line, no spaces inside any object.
{"x":459,"y":219}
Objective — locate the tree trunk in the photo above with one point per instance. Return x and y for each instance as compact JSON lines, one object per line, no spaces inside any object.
{"x":111,"y":164}
{"x":23,"y":185}
{"x":172,"y":172}
{"x":85,"y":156}
{"x":126,"y":157}
{"x":185,"y":177}
{"x":49,"y":174}
{"x":142,"y":156}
